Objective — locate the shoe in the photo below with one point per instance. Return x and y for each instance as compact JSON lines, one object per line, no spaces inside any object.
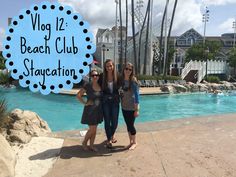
{"x":109,"y":145}
{"x":114,"y":140}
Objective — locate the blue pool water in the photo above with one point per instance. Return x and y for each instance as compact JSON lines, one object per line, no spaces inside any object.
{"x":63,"y":112}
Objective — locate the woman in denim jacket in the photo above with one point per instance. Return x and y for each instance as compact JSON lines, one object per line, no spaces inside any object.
{"x":109,"y":83}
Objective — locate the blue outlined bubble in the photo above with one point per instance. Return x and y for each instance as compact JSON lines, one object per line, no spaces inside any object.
{"x":48,"y":47}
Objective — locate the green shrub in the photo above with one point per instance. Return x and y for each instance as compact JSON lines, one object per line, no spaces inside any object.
{"x":4,"y":119}
{"x":213,"y":79}
{"x":4,"y":78}
{"x":2,"y":65}
{"x":159,"y":77}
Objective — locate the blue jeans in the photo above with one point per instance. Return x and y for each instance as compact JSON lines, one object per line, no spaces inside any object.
{"x":110,"y":113}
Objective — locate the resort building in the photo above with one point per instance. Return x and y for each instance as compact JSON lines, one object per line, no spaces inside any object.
{"x":105,"y":43}
{"x":186,"y":40}
{"x":107,"y":40}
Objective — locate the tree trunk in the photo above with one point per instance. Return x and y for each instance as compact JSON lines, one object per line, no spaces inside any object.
{"x":121,"y":41}
{"x":161,"y":37}
{"x":126,"y":32}
{"x":168,"y":38}
{"x":147,"y":40}
{"x":140,"y":41}
{"x":133,"y":31}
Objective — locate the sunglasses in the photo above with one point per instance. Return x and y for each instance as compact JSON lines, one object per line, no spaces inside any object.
{"x":95,"y":75}
{"x":128,"y":69}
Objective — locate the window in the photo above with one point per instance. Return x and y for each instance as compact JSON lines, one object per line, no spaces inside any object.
{"x":107,"y":38}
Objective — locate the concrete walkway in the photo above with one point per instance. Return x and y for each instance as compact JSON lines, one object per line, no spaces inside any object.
{"x":195,"y":147}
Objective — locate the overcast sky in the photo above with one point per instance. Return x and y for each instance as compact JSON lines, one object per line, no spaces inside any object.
{"x":101,"y":14}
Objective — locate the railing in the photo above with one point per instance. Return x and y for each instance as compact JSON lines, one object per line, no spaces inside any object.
{"x":201,"y":72}
{"x":213,"y":67}
{"x":186,"y":69}
{"x":192,"y":65}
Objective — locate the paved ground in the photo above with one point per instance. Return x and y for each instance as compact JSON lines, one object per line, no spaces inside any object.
{"x":196,"y":147}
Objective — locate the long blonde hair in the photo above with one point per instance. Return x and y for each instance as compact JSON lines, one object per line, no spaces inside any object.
{"x":105,"y":76}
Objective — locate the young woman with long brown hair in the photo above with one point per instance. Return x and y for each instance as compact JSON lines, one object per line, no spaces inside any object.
{"x":129,"y":92}
{"x":109,"y":82}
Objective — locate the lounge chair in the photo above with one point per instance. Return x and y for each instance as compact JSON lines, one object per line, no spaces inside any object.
{"x":155,"y":83}
{"x":161,"y":82}
{"x":149,"y":83}
{"x":142,"y":83}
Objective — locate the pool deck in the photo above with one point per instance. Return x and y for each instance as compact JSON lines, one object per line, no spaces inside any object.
{"x":143,"y":91}
{"x":193,"y":147}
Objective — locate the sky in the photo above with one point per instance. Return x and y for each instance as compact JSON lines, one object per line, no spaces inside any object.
{"x":101,"y":14}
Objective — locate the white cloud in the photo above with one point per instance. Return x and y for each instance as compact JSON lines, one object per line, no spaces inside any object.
{"x":187,"y":15}
{"x":219,"y":2}
{"x":2,"y":35}
{"x":101,"y":13}
{"x":227,"y":25}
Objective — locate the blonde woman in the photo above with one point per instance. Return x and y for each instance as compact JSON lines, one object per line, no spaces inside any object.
{"x":93,"y":113}
{"x":109,"y":82}
{"x":129,"y":92}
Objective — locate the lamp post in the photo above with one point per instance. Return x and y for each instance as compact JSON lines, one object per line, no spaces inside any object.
{"x":205,"y":18}
{"x":234,"y":27}
{"x":103,"y":54}
{"x":206,"y":55}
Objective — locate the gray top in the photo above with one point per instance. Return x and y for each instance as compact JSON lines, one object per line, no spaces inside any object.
{"x":129,"y":97}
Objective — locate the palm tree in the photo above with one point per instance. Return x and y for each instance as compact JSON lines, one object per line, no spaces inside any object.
{"x":121,"y":38}
{"x":161,"y":37}
{"x":140,"y":39}
{"x":147,"y":39}
{"x":126,"y":31}
{"x":168,"y":38}
{"x":133,"y":32}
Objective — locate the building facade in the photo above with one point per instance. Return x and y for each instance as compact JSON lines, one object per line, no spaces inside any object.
{"x":183,"y":42}
{"x":108,"y":45}
{"x":105,"y":41}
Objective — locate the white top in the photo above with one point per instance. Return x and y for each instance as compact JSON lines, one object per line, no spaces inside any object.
{"x":110,"y":86}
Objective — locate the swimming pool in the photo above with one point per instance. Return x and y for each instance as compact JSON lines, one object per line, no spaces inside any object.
{"x":63,"y":112}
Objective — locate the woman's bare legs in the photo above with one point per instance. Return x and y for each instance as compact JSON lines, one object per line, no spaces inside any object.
{"x":93,"y":136}
{"x":134,"y":142}
{"x":90,"y":135}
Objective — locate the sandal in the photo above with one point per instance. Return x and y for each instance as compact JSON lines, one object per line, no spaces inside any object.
{"x":109,"y":145}
{"x":114,"y":140}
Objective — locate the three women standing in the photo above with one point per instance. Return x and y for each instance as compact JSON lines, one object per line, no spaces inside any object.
{"x":103,"y":97}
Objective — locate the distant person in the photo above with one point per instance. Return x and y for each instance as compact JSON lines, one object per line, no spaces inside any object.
{"x":93,"y":113}
{"x":129,"y":92}
{"x":109,"y":83}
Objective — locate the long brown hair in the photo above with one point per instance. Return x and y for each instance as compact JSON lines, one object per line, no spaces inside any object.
{"x":132,"y":77}
{"x":105,"y":76}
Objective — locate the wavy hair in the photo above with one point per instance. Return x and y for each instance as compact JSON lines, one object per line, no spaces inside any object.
{"x":105,"y":75}
{"x":132,"y":77}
